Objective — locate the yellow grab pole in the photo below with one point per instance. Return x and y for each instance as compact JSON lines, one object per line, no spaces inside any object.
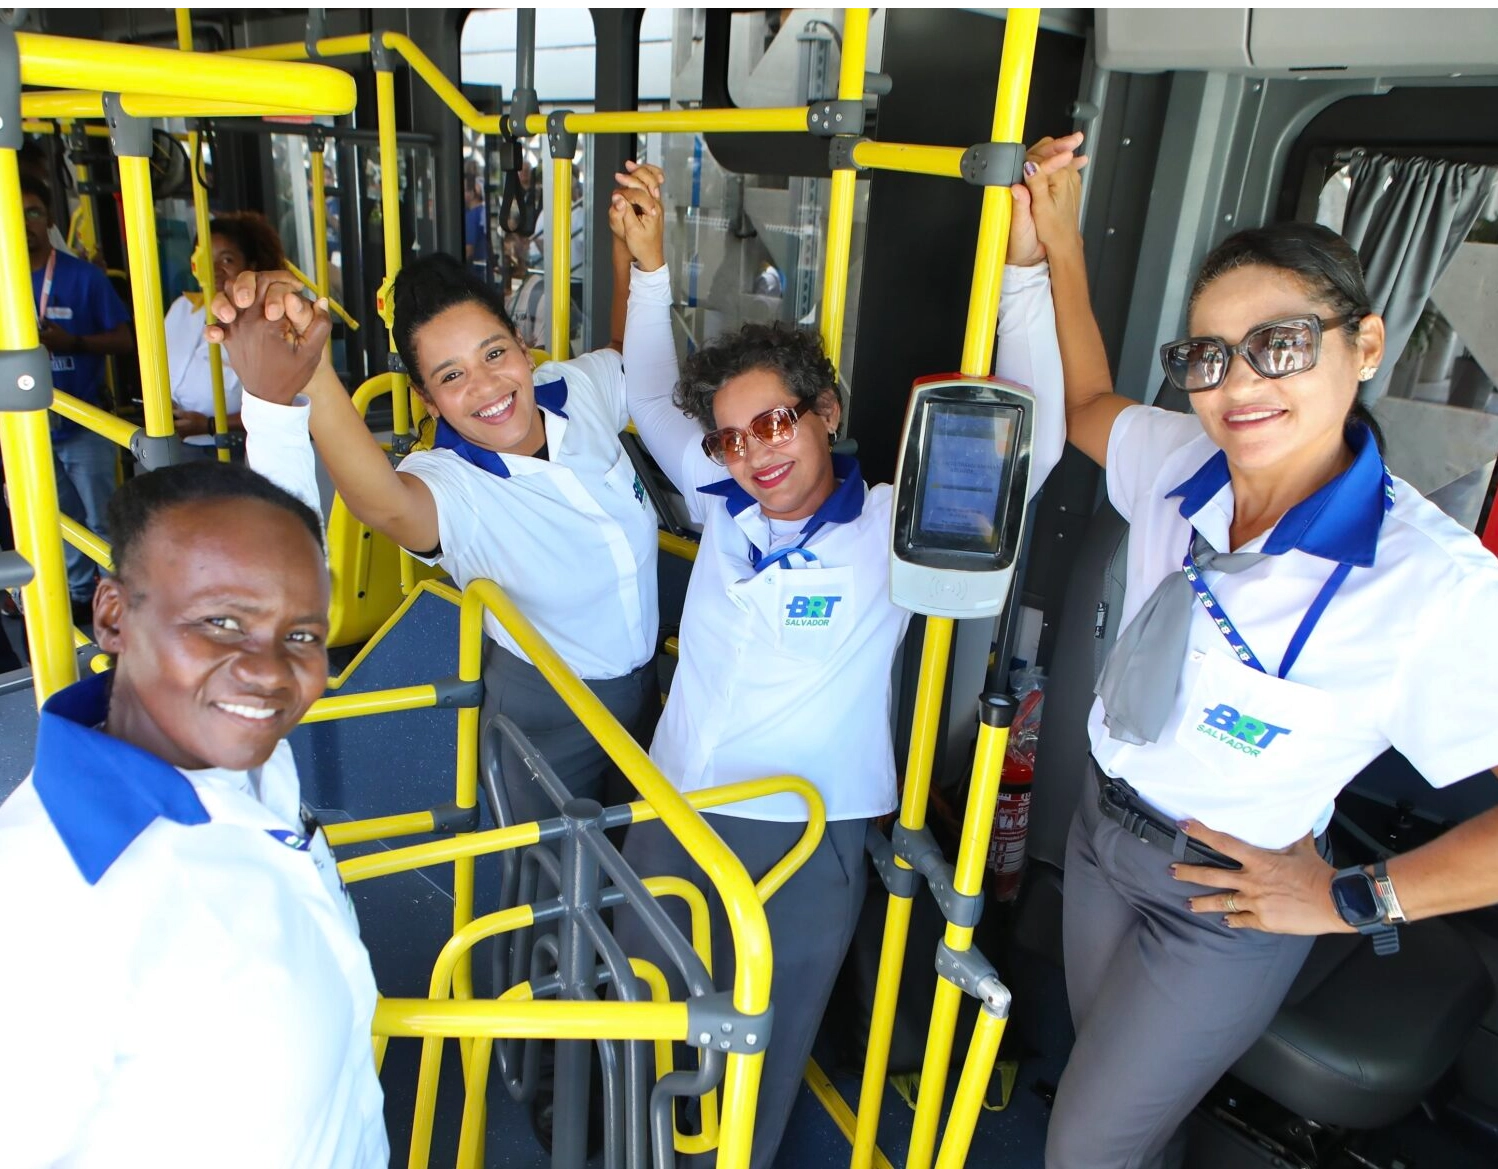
{"x":972,"y":1087}
{"x":787,"y":120}
{"x":334,"y":707}
{"x":26,"y":446}
{"x":925,"y":723}
{"x":203,"y":254}
{"x":844,"y":184}
{"x":1020,"y":29}
{"x":559,"y":258}
{"x":967,"y":881}
{"x":320,"y":225}
{"x":941,"y":161}
{"x":145,"y":293}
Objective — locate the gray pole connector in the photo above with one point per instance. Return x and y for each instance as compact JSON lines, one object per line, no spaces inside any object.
{"x":11,"y":136}
{"x":130,"y":136}
{"x":563,"y":141}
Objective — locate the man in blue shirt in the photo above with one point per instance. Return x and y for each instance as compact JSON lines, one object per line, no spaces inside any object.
{"x":476,"y":227}
{"x":81,"y":321}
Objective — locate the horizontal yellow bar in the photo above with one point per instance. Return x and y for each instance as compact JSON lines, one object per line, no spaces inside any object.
{"x":69,"y":63}
{"x":837,"y":1108}
{"x":944,"y":161}
{"x":677,"y":545}
{"x":450,"y":94}
{"x":437,"y":852}
{"x":83,"y":103}
{"x":379,"y":828}
{"x":672,"y":647}
{"x":91,"y":545}
{"x":775,"y":121}
{"x":476,"y":1018}
{"x":297,"y":50}
{"x":116,"y":430}
{"x":340,"y":706}
{"x":52,"y":125}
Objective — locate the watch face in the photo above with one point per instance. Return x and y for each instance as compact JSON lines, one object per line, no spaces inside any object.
{"x":1357,"y":901}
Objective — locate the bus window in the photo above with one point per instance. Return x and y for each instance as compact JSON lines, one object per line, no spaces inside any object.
{"x":516,"y":250}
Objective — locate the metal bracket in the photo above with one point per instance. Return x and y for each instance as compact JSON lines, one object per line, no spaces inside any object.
{"x":130,"y":136}
{"x":317,"y":138}
{"x":15,"y":570}
{"x":523,"y":104}
{"x":826,"y":118}
{"x":381,"y":57}
{"x":454,"y":692}
{"x":400,"y":445}
{"x":449,"y":817}
{"x":975,"y":975}
{"x":918,"y":849}
{"x":394,"y":364}
{"x":25,"y":379}
{"x":713,"y":1022}
{"x":840,"y":154}
{"x":11,"y":135}
{"x":317,"y":28}
{"x":993,"y":164}
{"x":898,"y":880}
{"x":223,"y":442}
{"x":563,"y":142}
{"x":151,"y":453}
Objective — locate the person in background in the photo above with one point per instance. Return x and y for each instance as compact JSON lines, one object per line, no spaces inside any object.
{"x":242,"y":241}
{"x":475,"y":227}
{"x":81,"y":321}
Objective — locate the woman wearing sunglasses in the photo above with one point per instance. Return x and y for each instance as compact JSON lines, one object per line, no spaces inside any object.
{"x":1291,"y":610}
{"x":788,"y":633}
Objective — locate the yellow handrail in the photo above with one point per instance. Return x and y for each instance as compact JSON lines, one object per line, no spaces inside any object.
{"x":844,"y":187}
{"x":94,"y":418}
{"x":317,"y":286}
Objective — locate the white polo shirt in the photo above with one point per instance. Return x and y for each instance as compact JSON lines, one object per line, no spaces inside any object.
{"x":571,"y":538}
{"x":188,"y":983}
{"x":786,"y":664}
{"x":1394,"y":660}
{"x":187,"y":364}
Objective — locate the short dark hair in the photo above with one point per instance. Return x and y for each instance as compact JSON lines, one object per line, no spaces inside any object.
{"x":796,"y":356}
{"x":252,"y":234}
{"x":428,"y":287}
{"x":31,"y":185}
{"x":137,"y":504}
{"x":1324,"y":263}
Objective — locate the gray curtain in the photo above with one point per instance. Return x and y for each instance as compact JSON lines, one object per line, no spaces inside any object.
{"x":1406,"y":217}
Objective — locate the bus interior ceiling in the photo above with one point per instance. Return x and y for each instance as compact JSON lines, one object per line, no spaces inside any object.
{"x":1199,"y":123}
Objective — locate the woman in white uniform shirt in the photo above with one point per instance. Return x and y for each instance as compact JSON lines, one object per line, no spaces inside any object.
{"x":242,"y":242}
{"x":788,"y":633}
{"x":1358,"y":625}
{"x":187,"y":982}
{"x":528,"y":486}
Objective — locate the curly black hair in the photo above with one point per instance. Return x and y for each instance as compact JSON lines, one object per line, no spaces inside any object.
{"x":252,"y":234}
{"x":795,"y":356}
{"x":429,"y":287}
{"x":136,"y":505}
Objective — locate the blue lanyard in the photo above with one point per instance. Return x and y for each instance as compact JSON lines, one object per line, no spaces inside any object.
{"x":759,"y":561}
{"x":1307,"y":623}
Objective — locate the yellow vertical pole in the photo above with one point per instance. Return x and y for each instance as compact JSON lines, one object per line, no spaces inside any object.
{"x":145,"y":293}
{"x":925,"y":722}
{"x":320,"y":222}
{"x":559,"y":274}
{"x":400,"y":399}
{"x":844,"y":182}
{"x":203,"y":254}
{"x":25,"y":436}
{"x":972,"y":1086}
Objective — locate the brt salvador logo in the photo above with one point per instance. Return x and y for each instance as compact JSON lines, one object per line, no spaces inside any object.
{"x":1241,"y":732}
{"x":810,"y":611}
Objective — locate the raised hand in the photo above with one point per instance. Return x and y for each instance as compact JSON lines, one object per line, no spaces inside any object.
{"x":275,"y":336}
{"x":635,"y":214}
{"x":1047,"y":204}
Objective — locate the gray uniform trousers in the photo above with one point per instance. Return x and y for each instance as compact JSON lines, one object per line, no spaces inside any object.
{"x":515,"y":688}
{"x":1164,"y":1000}
{"x":811,"y":923}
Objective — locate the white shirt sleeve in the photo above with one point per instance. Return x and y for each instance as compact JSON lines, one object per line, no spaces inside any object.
{"x":1442,"y":698}
{"x":1027,"y":352}
{"x":458,"y":510}
{"x":1141,"y":439}
{"x":604,"y":369}
{"x":650,"y":375}
{"x":278,"y":445}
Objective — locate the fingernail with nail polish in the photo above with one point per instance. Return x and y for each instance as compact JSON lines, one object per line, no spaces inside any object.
{"x":1030,"y":169}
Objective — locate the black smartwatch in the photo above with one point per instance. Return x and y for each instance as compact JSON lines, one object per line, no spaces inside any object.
{"x":1355,"y":895}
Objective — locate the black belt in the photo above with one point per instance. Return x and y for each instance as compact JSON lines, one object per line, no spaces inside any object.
{"x":1123,"y":805}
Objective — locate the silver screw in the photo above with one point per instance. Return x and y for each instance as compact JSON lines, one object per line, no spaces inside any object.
{"x":1227,"y":218}
{"x":26,"y":382}
{"x":751,"y":1039}
{"x":1127,"y":142}
{"x":727,"y":1028}
{"x":704,"y":1039}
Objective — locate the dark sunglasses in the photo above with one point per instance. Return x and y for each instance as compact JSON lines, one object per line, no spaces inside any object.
{"x":1274,"y":349}
{"x":773,"y":428}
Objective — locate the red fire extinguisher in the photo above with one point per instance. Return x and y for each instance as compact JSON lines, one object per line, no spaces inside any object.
{"x":1011,"y":817}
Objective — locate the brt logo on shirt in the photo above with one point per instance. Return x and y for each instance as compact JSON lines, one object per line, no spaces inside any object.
{"x":810,"y":611}
{"x":1241,"y":732}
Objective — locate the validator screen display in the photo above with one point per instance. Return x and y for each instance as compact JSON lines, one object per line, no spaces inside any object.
{"x":967,"y":454}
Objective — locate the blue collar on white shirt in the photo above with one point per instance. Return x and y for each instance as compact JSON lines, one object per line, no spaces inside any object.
{"x":101,"y":792}
{"x":844,"y":504}
{"x":551,"y":397}
{"x":1338,"y":522}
